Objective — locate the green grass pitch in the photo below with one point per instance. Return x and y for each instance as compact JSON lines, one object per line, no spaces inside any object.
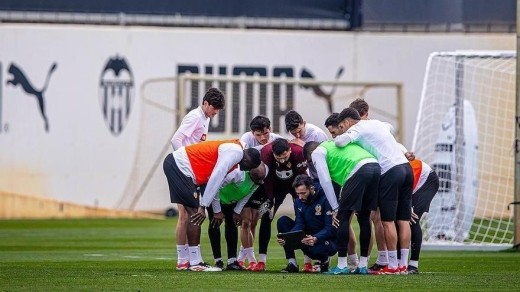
{"x":139,"y":255}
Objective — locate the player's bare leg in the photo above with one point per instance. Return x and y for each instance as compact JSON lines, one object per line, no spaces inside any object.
{"x":182,"y":239}
{"x":247,"y":235}
{"x":382,"y":252}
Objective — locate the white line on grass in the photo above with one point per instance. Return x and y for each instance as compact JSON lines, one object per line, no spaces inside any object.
{"x":93,"y":255}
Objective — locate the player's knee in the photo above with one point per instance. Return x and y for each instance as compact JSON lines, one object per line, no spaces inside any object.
{"x":246,"y":223}
{"x":183,"y":220}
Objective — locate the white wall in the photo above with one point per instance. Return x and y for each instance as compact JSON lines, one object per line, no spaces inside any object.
{"x":80,"y":160}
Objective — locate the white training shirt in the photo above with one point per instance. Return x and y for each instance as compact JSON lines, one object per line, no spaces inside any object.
{"x":250,"y":141}
{"x":229,"y":154}
{"x":374,"y":137}
{"x":313,"y":133}
{"x":193,"y":129}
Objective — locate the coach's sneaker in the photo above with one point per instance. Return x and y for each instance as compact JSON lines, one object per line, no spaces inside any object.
{"x":412,"y":270}
{"x":183,"y":267}
{"x":219,"y":264}
{"x":375,"y":269}
{"x":360,"y":271}
{"x":316,"y":267}
{"x":259,"y":267}
{"x":291,"y":268}
{"x":234,"y":266}
{"x":403,"y":270}
{"x":337,"y":271}
{"x":203,"y":267}
{"x":324,"y":266}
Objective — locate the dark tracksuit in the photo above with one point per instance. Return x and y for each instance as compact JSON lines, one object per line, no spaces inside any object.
{"x":314,"y":218}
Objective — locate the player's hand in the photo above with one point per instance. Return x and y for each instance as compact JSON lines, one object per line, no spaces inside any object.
{"x":335,"y":220}
{"x":414,"y":218}
{"x":199,"y":217}
{"x":217,"y":219}
{"x":280,"y":241}
{"x":237,"y":218}
{"x":309,"y":240}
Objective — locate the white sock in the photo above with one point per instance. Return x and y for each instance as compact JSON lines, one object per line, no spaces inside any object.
{"x":241,"y":254}
{"x":404,"y":257}
{"x":363,"y":262}
{"x":414,"y":263}
{"x":307,"y":260}
{"x":342,"y":262}
{"x":195,"y":257}
{"x":231,"y":260}
{"x":250,"y":254}
{"x":392,"y":259}
{"x":352,"y":259}
{"x":217,"y":259}
{"x":183,"y":255}
{"x":293,"y":261}
{"x":262,"y":257}
{"x":382,"y":258}
{"x":200,"y":254}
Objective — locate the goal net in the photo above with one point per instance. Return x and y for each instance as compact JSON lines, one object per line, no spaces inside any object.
{"x":465,"y":132}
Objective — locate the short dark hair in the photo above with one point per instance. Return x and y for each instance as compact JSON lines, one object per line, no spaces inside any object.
{"x":302,"y":180}
{"x":360,"y":105}
{"x":214,"y":97}
{"x":251,"y":159}
{"x":292,"y":120}
{"x":280,"y":145}
{"x":259,"y":123}
{"x":333,"y":120}
{"x":308,"y":148}
{"x":349,"y":113}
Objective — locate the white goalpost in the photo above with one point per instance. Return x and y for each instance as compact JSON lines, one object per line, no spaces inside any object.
{"x":465,"y":131}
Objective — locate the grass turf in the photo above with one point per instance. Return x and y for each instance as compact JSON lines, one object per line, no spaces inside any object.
{"x":139,"y":255}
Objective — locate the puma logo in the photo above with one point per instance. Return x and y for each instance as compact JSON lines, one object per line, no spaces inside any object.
{"x":18,"y":78}
{"x":317,"y":89}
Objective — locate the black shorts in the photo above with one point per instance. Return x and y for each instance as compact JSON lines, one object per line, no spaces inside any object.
{"x":257,"y":198}
{"x":182,"y":189}
{"x":360,"y":190}
{"x":423,"y":197}
{"x":395,"y":193}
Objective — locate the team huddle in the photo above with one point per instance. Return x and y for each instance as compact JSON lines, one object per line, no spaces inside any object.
{"x":362,"y":172}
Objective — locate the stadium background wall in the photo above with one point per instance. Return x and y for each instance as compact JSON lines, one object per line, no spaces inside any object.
{"x":85,"y":156}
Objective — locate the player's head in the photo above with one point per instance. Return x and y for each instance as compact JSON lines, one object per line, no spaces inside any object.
{"x":295,"y":124}
{"x":308,"y":148}
{"x":303,"y":187}
{"x":332,"y":124}
{"x":348,"y":117}
{"x":281,"y":150}
{"x":259,"y":174}
{"x":261,"y":128}
{"x":250,"y":160}
{"x":212,"y":102}
{"x":361,"y":106}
